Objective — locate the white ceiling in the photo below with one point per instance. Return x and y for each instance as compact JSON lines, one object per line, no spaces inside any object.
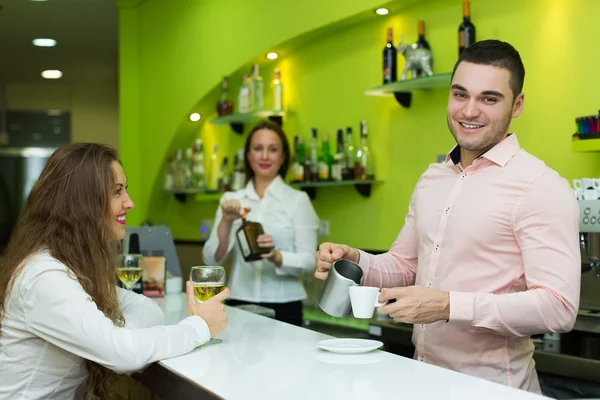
{"x":86,"y":32}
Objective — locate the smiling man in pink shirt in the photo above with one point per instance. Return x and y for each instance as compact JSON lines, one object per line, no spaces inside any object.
{"x":489,"y":253}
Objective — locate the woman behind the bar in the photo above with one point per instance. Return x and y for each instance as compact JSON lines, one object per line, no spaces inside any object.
{"x":63,"y":319}
{"x":288,"y":219}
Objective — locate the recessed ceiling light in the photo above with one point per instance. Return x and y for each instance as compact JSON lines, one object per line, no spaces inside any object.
{"x":52,"y":74}
{"x":44,"y":42}
{"x":195,"y":117}
{"x":382,"y":11}
{"x":272,"y":56}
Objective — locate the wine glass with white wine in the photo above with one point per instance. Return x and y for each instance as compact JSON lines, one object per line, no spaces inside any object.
{"x":207,"y":281}
{"x":130,"y":269}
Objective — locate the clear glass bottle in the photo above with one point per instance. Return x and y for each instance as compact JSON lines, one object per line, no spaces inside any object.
{"x":244,"y":96}
{"x":363,"y":165}
{"x":179,"y":170}
{"x":277,"y":91}
{"x":338,"y":158}
{"x":169,"y":176}
{"x":198,"y":169}
{"x":246,"y":236}
{"x":256,"y":90}
{"x":349,"y":156}
{"x":313,"y":159}
{"x":187,"y":168}
{"x":239,"y":172}
{"x":213,"y":181}
{"x":224,"y":176}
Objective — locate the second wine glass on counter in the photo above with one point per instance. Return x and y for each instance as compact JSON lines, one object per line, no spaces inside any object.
{"x":130,"y":269}
{"x":208,"y":281}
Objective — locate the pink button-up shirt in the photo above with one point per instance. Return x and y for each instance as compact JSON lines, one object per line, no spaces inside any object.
{"x":501,"y":236}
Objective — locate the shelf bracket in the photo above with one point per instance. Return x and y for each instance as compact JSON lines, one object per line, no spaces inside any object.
{"x":310,"y":191}
{"x":364,"y":189}
{"x":278,"y":119}
{"x":403,"y":98}
{"x":237,"y":128}
{"x":181,"y":197}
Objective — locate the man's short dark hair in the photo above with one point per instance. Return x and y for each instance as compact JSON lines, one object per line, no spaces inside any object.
{"x":499,"y":54}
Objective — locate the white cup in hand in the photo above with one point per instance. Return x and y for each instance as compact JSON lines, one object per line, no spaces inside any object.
{"x":364,"y":299}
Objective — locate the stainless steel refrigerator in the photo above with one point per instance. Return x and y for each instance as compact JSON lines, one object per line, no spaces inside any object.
{"x":27,"y":139}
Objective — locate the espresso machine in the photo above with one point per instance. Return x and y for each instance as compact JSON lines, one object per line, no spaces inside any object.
{"x":589,"y":235}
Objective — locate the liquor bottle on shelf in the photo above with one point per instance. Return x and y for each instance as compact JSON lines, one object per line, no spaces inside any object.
{"x":224,"y":105}
{"x":213,"y":181}
{"x":421,"y":41}
{"x":256,"y":90}
{"x":390,"y":59}
{"x":338,"y":158}
{"x":363,"y":165}
{"x":224,"y":177}
{"x":239,"y":173}
{"x":298,"y":166}
{"x":181,"y":171}
{"x":277,"y":91}
{"x":246,"y":236}
{"x":178,"y":182}
{"x":198,"y":170}
{"x":466,"y":30}
{"x":244,"y":96}
{"x":187,"y":167}
{"x":325,"y":160}
{"x":169,"y":176}
{"x":312,"y":160}
{"x":349,"y":156}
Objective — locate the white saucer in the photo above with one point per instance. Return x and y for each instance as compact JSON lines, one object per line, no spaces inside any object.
{"x":349,"y":346}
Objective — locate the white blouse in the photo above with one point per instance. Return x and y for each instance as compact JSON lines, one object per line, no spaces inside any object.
{"x":51,"y":326}
{"x":288,"y":216}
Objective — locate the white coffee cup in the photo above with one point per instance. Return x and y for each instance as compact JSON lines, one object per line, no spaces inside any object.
{"x":364,"y":299}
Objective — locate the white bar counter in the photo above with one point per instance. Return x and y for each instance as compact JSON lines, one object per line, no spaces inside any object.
{"x":261,"y":358}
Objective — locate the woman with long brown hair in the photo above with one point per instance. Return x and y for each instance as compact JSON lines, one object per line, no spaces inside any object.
{"x":63,"y":319}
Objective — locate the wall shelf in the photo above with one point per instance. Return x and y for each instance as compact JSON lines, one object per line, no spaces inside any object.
{"x":182,"y":194}
{"x":363,"y":187}
{"x":585,"y":145}
{"x":402,"y":90}
{"x":237,"y":121}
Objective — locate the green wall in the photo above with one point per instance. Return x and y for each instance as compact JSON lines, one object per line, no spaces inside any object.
{"x":324,"y":84}
{"x":172,"y":53}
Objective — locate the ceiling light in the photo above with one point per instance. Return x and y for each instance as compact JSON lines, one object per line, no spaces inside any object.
{"x":382,"y":11}
{"x":272,"y":56}
{"x":44,"y":42}
{"x":51,"y":74}
{"x":195,"y":117}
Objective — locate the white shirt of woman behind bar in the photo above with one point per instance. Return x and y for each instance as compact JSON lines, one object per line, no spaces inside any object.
{"x":287,"y":215}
